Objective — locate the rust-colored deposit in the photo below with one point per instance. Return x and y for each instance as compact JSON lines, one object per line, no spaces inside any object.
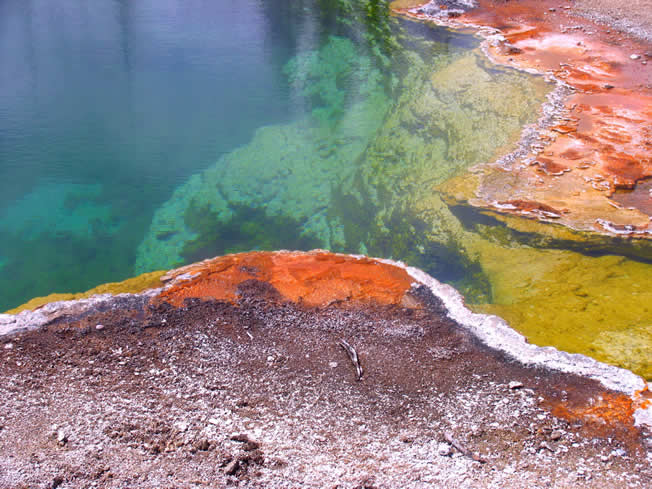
{"x":597,"y":147}
{"x":313,"y":279}
{"x":603,"y":414}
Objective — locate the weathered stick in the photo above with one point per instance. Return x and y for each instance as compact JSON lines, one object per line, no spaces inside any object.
{"x":353,"y":355}
{"x":462,"y":449}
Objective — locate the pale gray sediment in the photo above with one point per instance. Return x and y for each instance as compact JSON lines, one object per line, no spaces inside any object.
{"x":259,"y":393}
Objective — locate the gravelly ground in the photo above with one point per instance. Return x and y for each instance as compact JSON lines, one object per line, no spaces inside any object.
{"x":633,"y":17}
{"x":262,"y":395}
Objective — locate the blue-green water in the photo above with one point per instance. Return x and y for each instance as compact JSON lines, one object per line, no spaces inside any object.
{"x":145,"y":134}
{"x":138,"y":135}
{"x":105,"y":107}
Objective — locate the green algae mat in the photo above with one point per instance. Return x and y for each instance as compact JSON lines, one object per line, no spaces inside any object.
{"x":328,"y":126}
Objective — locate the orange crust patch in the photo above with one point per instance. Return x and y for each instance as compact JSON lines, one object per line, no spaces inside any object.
{"x":600,"y":141}
{"x":607,"y":414}
{"x":312,"y":279}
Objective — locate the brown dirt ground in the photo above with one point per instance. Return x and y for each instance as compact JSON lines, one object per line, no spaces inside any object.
{"x":260,"y":394}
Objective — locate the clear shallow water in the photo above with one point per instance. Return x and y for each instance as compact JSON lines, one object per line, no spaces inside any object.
{"x":141,"y":135}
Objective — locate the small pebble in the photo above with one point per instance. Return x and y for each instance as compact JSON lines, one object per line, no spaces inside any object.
{"x":635,"y":56}
{"x":515,"y":385}
{"x":544,"y":445}
{"x":555,"y":435}
{"x":99,"y":327}
{"x":62,"y":438}
{"x":203,"y":445}
{"x":445,"y":450}
{"x":332,"y":364}
{"x":9,"y":346}
{"x":232,"y":467}
{"x":618,"y":452}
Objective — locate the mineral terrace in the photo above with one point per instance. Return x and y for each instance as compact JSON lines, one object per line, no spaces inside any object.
{"x":587,"y":163}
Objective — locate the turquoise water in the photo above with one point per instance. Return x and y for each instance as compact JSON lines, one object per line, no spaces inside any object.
{"x":144,"y":134}
{"x":139,"y":135}
{"x":105,"y":107}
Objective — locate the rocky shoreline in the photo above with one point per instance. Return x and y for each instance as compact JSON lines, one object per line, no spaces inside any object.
{"x":232,"y":372}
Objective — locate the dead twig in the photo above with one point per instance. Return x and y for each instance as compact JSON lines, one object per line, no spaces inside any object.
{"x":462,"y":449}
{"x":353,"y":355}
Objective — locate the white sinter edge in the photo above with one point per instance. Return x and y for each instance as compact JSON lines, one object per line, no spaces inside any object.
{"x":31,"y":320}
{"x":496,"y":333}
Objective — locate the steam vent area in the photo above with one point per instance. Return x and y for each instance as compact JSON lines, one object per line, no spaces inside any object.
{"x":496,"y":158}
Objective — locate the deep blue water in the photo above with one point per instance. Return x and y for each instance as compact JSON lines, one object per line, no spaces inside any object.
{"x":131,"y":97}
{"x":146,"y":90}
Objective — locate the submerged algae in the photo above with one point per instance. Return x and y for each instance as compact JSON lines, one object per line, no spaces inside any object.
{"x":364,"y":177}
{"x":286,"y":171}
{"x":598,"y":306}
{"x":360,"y":164}
{"x":332,"y":78}
{"x":448,"y":116}
{"x":247,"y":229}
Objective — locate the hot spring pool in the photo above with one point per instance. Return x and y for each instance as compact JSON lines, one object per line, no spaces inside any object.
{"x":142,"y":135}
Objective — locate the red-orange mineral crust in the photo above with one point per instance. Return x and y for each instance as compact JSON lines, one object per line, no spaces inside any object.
{"x":600,"y":140}
{"x":601,"y":415}
{"x":313,"y":279}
